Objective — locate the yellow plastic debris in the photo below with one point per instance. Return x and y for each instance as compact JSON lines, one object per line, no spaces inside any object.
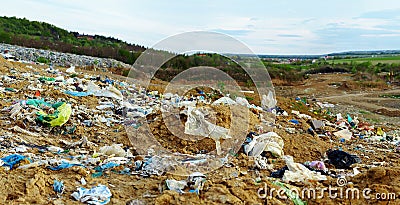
{"x":60,"y":116}
{"x":379,"y":131}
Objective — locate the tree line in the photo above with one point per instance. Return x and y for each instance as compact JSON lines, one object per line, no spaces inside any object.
{"x":42,"y":35}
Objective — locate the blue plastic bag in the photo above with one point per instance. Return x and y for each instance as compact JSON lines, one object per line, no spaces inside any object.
{"x":58,"y":186}
{"x":64,"y":165}
{"x":12,"y":160}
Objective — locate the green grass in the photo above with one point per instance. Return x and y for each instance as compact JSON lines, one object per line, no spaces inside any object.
{"x":390,"y":96}
{"x":363,"y":112}
{"x":373,"y":60}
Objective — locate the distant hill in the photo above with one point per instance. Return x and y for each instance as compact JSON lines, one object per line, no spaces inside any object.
{"x":46,"y":36}
{"x":366,"y":53}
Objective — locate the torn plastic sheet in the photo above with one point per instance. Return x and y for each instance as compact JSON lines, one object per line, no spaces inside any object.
{"x":71,"y":70}
{"x":242,"y":101}
{"x":158,"y":165}
{"x":33,"y":164}
{"x":114,"y":149}
{"x":195,"y":182}
{"x":317,"y":123}
{"x":76,"y":93}
{"x":268,"y":101}
{"x":82,"y":142}
{"x":96,"y":195}
{"x":196,"y":124}
{"x":64,"y":165}
{"x":110,"y":91}
{"x":270,"y":142}
{"x":299,"y":173}
{"x":345,"y":134}
{"x":12,"y":160}
{"x":224,"y":101}
{"x":176,"y":185}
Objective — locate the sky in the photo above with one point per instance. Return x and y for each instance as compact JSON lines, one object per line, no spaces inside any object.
{"x":266,"y":27}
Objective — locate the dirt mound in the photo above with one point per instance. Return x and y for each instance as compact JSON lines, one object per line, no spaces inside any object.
{"x":181,"y":144}
{"x":390,"y":113}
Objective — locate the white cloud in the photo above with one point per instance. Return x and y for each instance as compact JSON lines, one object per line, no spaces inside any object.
{"x":282,"y":27}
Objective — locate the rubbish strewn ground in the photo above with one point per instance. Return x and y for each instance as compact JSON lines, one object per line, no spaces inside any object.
{"x":89,"y":147}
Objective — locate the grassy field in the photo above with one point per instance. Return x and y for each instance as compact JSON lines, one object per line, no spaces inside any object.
{"x":373,"y":60}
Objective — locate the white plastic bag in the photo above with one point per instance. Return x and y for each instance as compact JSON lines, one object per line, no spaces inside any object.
{"x":242,"y":101}
{"x":268,"y":101}
{"x":196,"y":124}
{"x":270,"y":142}
{"x":113,"y":150}
{"x":299,"y":173}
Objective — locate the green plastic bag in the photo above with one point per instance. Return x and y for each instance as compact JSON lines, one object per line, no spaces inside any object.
{"x":58,"y":118}
{"x":37,"y":102}
{"x":42,"y":79}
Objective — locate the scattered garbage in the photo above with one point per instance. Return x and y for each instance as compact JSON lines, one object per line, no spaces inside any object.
{"x":242,"y":101}
{"x":71,"y":70}
{"x":195,"y":183}
{"x":268,"y":101}
{"x":175,"y":185}
{"x":45,"y":126}
{"x":317,"y":124}
{"x":345,"y":134}
{"x":64,"y":165}
{"x":299,"y":173}
{"x":110,"y":91}
{"x":114,"y":149}
{"x":341,"y":159}
{"x":279,"y":173}
{"x":379,"y":131}
{"x":224,"y":101}
{"x":96,"y":195}
{"x":99,"y":169}
{"x":18,"y":129}
{"x":11,"y":160}
{"x":317,"y":165}
{"x":58,"y":118}
{"x":77,"y":93}
{"x":58,"y":186}
{"x":268,"y":142}
{"x":294,"y":121}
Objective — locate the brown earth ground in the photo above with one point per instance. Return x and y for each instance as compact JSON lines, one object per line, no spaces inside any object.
{"x":233,"y":184}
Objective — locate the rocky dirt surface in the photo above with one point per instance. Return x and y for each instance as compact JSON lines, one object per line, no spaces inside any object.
{"x":239,"y":181}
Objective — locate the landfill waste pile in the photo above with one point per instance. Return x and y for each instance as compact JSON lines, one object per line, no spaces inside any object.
{"x":29,"y":55}
{"x":69,"y":137}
